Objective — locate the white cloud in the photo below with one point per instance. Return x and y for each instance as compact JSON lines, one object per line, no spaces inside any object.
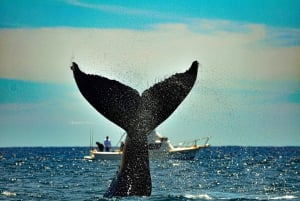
{"x":108,"y":8}
{"x":145,"y":55}
{"x":122,"y":10}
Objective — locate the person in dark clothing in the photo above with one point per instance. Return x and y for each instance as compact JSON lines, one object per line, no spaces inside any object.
{"x":100,"y":146}
{"x":107,"y":144}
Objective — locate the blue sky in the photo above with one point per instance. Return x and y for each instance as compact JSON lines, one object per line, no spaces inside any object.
{"x":247,"y":92}
{"x":139,"y":14}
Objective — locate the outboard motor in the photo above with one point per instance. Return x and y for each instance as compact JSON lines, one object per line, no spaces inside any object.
{"x":100,"y":146}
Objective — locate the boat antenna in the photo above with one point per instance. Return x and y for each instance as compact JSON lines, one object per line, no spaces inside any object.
{"x":121,"y":138}
{"x":91,"y":139}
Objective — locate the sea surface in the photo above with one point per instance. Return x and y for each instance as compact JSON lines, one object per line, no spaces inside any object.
{"x":217,"y":173}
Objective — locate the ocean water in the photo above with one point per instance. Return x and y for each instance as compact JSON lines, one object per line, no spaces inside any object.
{"x":217,"y":173}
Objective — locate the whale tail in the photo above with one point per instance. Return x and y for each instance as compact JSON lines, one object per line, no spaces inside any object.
{"x":124,"y":105}
{"x":137,"y":115}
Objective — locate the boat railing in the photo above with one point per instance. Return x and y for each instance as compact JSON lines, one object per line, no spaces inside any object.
{"x":194,"y":143}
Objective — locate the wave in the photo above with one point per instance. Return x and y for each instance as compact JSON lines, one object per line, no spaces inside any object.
{"x":200,"y":196}
{"x":285,"y":197}
{"x":8,"y":194}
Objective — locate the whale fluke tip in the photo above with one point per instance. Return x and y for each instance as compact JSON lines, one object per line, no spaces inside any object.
{"x":74,"y":66}
{"x":194,"y":66}
{"x":195,"y":63}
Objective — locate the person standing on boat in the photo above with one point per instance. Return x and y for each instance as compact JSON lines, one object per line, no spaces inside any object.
{"x":107,"y":144}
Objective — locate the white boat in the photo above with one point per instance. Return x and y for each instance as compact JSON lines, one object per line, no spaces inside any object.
{"x":159,"y":148}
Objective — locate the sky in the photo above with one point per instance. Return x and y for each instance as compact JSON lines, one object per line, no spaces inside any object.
{"x":247,"y":92}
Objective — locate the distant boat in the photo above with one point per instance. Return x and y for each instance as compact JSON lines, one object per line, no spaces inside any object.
{"x":159,"y":148}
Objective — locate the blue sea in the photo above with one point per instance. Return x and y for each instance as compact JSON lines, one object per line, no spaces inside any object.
{"x":217,"y":173}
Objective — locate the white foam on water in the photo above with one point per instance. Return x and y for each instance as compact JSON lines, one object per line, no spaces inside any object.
{"x":285,"y":197}
{"x":200,"y":196}
{"x":7,"y":193}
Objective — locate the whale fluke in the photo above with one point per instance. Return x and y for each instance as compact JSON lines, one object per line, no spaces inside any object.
{"x":138,"y":115}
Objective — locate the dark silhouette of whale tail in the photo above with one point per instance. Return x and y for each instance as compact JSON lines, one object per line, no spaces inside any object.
{"x":138,"y":115}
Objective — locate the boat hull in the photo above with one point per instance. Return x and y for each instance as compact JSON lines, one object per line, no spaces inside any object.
{"x":188,"y":153}
{"x":95,"y":155}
